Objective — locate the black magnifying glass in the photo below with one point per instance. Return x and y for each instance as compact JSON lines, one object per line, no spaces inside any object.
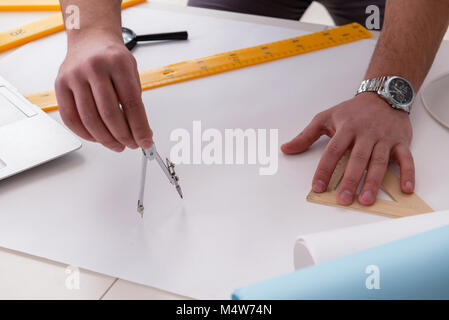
{"x":131,"y":38}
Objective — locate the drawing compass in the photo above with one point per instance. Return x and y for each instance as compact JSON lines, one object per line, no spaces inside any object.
{"x":167,"y":167}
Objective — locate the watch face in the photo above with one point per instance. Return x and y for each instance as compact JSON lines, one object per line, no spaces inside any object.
{"x":400,"y":91}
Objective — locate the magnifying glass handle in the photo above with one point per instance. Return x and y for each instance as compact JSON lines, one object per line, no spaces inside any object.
{"x":182,"y":35}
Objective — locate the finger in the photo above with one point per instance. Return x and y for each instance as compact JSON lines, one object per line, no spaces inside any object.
{"x":376,"y":171}
{"x":306,"y":138}
{"x":110,"y":111}
{"x":332,"y":154}
{"x":69,"y":113}
{"x":355,"y":168}
{"x":91,"y":119}
{"x":404,"y":158}
{"x":129,"y":92}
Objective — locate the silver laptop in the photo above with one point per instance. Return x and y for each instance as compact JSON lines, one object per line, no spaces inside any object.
{"x":28,"y":136}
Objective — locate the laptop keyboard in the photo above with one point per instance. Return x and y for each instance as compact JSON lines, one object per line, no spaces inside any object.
{"x":13,"y":108}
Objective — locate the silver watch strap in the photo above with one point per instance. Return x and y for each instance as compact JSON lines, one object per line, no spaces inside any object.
{"x":372,"y":85}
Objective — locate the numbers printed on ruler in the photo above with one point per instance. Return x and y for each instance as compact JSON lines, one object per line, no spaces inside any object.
{"x":259,"y":54}
{"x":17,"y":33}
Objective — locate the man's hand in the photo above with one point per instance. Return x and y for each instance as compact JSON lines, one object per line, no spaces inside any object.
{"x":374,"y":131}
{"x":98,"y":86}
{"x":98,"y":73}
{"x":366,"y":124}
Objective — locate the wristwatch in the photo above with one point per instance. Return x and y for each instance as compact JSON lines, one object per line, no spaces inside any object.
{"x":397,"y":91}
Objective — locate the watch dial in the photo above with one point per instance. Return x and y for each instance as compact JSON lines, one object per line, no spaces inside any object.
{"x":401,"y":91}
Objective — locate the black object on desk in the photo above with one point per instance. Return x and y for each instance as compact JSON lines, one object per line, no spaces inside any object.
{"x":131,"y":38}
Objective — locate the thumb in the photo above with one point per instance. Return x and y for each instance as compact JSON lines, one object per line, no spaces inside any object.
{"x":305,"y":139}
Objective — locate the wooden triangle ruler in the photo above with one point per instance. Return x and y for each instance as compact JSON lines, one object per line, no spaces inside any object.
{"x":403,"y":205}
{"x":38,"y":29}
{"x":232,"y":60}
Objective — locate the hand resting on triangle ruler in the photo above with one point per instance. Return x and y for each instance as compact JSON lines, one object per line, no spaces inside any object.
{"x":403,"y":205}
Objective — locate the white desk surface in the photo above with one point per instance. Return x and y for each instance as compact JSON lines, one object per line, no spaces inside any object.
{"x":24,"y":276}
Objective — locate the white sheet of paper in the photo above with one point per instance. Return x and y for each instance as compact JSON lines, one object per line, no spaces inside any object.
{"x":316,"y":248}
{"x":234,"y":227}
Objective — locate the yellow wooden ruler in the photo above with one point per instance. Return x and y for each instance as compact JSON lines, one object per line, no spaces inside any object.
{"x":39,"y":29}
{"x":29,"y":5}
{"x":39,"y":5}
{"x":232,"y":60}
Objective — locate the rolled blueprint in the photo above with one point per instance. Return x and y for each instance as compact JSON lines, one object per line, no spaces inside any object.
{"x":411,"y":268}
{"x":324,"y":246}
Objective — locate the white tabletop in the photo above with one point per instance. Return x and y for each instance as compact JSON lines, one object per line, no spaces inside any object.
{"x":24,"y":276}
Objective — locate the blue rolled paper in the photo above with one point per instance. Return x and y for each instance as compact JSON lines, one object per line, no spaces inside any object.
{"x":411,"y":268}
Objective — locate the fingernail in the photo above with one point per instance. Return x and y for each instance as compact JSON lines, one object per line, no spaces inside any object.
{"x":345,"y":197}
{"x":146,"y":143}
{"x":319,"y":186}
{"x":133,"y":146}
{"x":367,"y":197}
{"x":409,"y":186}
{"x":117,"y":149}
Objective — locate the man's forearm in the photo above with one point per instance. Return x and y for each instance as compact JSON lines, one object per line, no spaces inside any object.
{"x":98,"y":88}
{"x":96,"y":16}
{"x":412,"y":33}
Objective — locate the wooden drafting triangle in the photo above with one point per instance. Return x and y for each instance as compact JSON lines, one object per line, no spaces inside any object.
{"x":403,"y":205}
